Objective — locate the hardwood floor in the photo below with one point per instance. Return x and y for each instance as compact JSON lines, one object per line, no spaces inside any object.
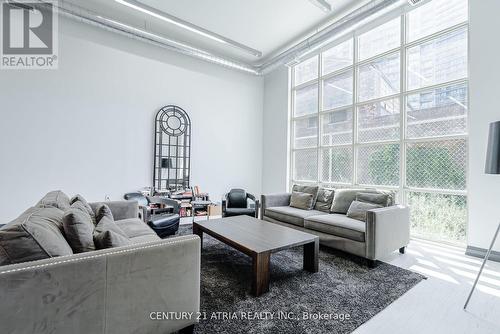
{"x":436,"y":305}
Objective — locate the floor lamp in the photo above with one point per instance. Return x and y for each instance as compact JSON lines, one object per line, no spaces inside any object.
{"x":492,"y":167}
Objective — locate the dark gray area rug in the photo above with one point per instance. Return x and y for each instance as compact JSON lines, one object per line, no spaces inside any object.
{"x":345,"y":292}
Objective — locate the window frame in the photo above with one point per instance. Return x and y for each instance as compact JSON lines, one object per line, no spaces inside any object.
{"x":402,"y":188}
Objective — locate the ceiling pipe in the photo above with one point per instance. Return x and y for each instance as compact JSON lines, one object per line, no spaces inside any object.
{"x":322,"y":4}
{"x":344,"y":25}
{"x":143,"y":8}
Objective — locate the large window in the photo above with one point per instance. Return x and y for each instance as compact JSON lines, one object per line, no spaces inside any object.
{"x":387,"y":108}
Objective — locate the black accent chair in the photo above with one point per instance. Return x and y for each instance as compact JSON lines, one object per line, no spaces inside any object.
{"x":164,"y":221}
{"x":235,"y":203}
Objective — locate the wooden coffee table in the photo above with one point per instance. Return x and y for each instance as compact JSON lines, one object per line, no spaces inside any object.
{"x":258,"y":239}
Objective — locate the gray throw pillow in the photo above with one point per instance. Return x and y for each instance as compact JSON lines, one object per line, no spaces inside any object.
{"x":103,"y":210}
{"x":324,"y":200}
{"x":302,"y":201}
{"x":110,"y":239}
{"x":343,"y":199}
{"x":357,"y":210}
{"x":79,"y":198}
{"x":78,"y":228}
{"x":107,"y":224}
{"x":375,"y":198}
{"x":313,"y":190}
{"x":36,"y":234}
{"x":56,"y":199}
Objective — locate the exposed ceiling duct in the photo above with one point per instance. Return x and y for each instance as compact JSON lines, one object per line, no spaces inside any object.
{"x":346,"y":24}
{"x":322,"y":4}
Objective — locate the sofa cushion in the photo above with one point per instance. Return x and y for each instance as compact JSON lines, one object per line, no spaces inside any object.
{"x":380,"y":198}
{"x":56,"y":199}
{"x":103,"y":210}
{"x":36,"y":234}
{"x":344,"y":197}
{"x":291,"y":215}
{"x":302,"y":201}
{"x":324,"y":200}
{"x":84,"y":202}
{"x":134,"y":227}
{"x":110,"y":239}
{"x":145,"y":238}
{"x":78,"y":228}
{"x":108,"y":224}
{"x":358,"y":210}
{"x":313,"y":190}
{"x":337,"y":224}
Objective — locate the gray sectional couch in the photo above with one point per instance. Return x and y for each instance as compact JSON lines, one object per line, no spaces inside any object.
{"x":115,"y":290}
{"x":384,"y":230}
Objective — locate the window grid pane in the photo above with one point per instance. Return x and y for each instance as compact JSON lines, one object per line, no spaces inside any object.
{"x":437,"y":165}
{"x":305,"y":132}
{"x":306,"y":100}
{"x":439,"y":60}
{"x":305,"y":165}
{"x":434,"y":16}
{"x":379,"y":78}
{"x":378,"y":165}
{"x":336,"y":127}
{"x":336,"y":165}
{"x":306,"y":71}
{"x":379,"y":121}
{"x":338,"y":57}
{"x":337,"y":91}
{"x":438,"y":216}
{"x":381,"y":39}
{"x":438,"y":112}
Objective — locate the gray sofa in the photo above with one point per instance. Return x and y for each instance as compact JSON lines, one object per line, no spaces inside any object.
{"x":385,"y":230}
{"x":116,"y":290}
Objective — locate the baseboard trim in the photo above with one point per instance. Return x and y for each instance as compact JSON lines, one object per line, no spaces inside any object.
{"x":481,"y":253}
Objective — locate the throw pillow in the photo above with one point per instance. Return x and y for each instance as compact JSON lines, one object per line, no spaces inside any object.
{"x":302,"y":201}
{"x":56,"y":199}
{"x":107,"y":224}
{"x":313,"y":190}
{"x":343,"y":199}
{"x":36,"y":234}
{"x":324,"y":200}
{"x":78,"y":228}
{"x":103,"y":210}
{"x":357,"y":210}
{"x":110,"y":239}
{"x":79,"y":198}
{"x":375,"y":198}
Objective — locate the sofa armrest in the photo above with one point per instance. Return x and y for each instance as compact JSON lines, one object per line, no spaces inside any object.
{"x":269,"y":201}
{"x":107,"y":291}
{"x":387,"y":229}
{"x":121,"y":209}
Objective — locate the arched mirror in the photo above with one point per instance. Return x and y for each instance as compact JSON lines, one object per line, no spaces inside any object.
{"x":172,"y":149}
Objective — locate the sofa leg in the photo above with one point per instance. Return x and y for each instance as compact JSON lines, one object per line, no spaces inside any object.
{"x":372,"y":263}
{"x":187,"y":330}
{"x":402,"y":250}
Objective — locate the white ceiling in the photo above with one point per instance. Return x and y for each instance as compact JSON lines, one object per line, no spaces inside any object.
{"x":265,"y":25}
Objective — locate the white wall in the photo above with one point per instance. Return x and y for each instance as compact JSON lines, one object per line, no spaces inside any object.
{"x":484,"y":190}
{"x":88,"y":126}
{"x":275,"y":132}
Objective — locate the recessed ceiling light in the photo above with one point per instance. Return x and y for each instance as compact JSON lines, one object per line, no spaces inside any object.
{"x":186,"y":25}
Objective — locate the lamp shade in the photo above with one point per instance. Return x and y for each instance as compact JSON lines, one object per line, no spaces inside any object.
{"x":493,"y":155}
